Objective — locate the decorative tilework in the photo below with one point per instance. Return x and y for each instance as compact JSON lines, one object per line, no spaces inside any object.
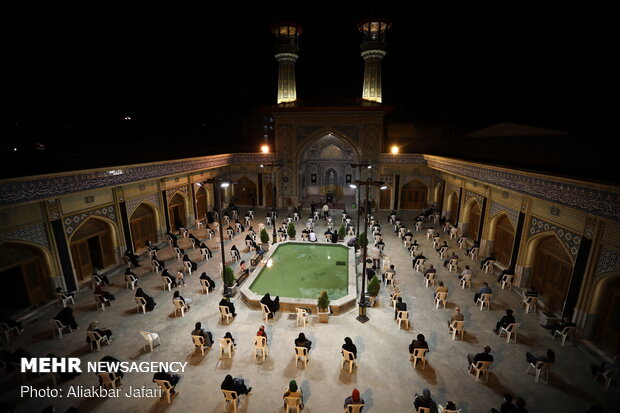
{"x":451,"y":187}
{"x":589,"y":229}
{"x":34,"y":233}
{"x":402,"y":159}
{"x":611,"y":234}
{"x":576,"y":195}
{"x":132,"y":204}
{"x":608,"y":261}
{"x":512,"y":215}
{"x":53,"y":210}
{"x":469,"y":194}
{"x":170,"y":192}
{"x":570,"y":240}
{"x":71,"y":222}
{"x":15,"y":191}
{"x":352,"y":132}
{"x":386,"y":178}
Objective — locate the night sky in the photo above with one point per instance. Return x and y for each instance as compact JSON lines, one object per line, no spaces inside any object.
{"x":197,"y":74}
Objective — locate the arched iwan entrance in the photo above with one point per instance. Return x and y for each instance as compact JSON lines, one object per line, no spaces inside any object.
{"x":245,"y":192}
{"x":474,"y":220}
{"x":606,"y":308}
{"x":92,"y":247}
{"x":143,"y":224}
{"x":176,"y":212}
{"x":503,"y":240}
{"x":24,"y":271}
{"x":385,"y":197}
{"x":201,"y":202}
{"x":551,"y":272}
{"x":453,"y":206}
{"x":413,"y":195}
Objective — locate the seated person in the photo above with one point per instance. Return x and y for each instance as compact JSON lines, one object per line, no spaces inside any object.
{"x":177,"y":296}
{"x":445,"y":244}
{"x":65,"y":316}
{"x":456,"y":316}
{"x":273,"y":305}
{"x":101,"y":278}
{"x":172,"y":237}
{"x":104,"y":367}
{"x":232,"y":340}
{"x":507,"y":271}
{"x":485,"y":289}
{"x":466,"y":272}
{"x":419,"y":342}
{"x":194,"y":266}
{"x":236,"y":385}
{"x":171,"y":378}
{"x":131,"y":276}
{"x":452,"y":257}
{"x":302,"y":341}
{"x":420,"y":256}
{"x":425,"y":400}
{"x":507,"y":406}
{"x":103,"y":332}
{"x":354,"y":398}
{"x":210,"y":282}
{"x":66,"y":376}
{"x":312,"y":236}
{"x":196,"y":240}
{"x":149,"y":245}
{"x":133,"y":258}
{"x":476,"y":244}
{"x":505,"y":321}
{"x":560,"y":325}
{"x":294,"y":391}
{"x":485,"y":260}
{"x":549,"y":357}
{"x":171,"y":278}
{"x":484,"y":356}
{"x":226,"y":303}
{"x":400,"y":306}
{"x":206,"y":335}
{"x":349,"y":346}
{"x":261,"y":332}
{"x":430,"y":270}
{"x":63,"y":294}
{"x":150,"y":303}
{"x":207,"y":250}
{"x":440,"y":289}
{"x":105,"y":294}
{"x":391,"y":271}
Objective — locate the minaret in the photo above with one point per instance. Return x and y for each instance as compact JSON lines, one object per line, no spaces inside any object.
{"x":373,"y":48}
{"x":286,"y":52}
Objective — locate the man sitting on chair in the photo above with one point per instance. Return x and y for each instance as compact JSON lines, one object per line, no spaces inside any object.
{"x":206,"y":335}
{"x":505,"y":321}
{"x":485,"y":356}
{"x":391,"y":271}
{"x":456,"y":316}
{"x":419,"y":342}
{"x":452,"y":257}
{"x":560,"y":325}
{"x":487,"y":259}
{"x":485,"y":289}
{"x":420,"y":256}
{"x":431,"y":270}
{"x":400,"y":306}
{"x":508,"y":271}
{"x":425,"y":401}
{"x":465,"y":272}
{"x":440,"y":289}
{"x":173,"y":379}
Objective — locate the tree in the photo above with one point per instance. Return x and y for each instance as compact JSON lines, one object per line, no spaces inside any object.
{"x":373,"y":286}
{"x":264,"y":236}
{"x":229,"y":276}
{"x":323,"y":302}
{"x":341,"y":232}
{"x":291,"y":230}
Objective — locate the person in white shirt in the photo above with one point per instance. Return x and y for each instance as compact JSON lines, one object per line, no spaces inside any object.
{"x":325,"y":211}
{"x":312,"y":236}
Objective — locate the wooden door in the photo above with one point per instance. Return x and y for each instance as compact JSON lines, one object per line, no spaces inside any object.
{"x":610,"y":336}
{"x":413,"y":195}
{"x":504,"y":240}
{"x":201,"y":203}
{"x":81,"y":259}
{"x":552,"y":273}
{"x":474,"y":221}
{"x":454,"y":207}
{"x":385,"y":197}
{"x":34,"y":280}
{"x":245,"y":192}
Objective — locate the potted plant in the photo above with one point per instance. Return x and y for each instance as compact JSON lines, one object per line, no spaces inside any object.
{"x":291,"y":231}
{"x":362,"y":242}
{"x":373,"y":290}
{"x":264,"y":239}
{"x":229,"y":280}
{"x":341,"y":232}
{"x":323,"y":306}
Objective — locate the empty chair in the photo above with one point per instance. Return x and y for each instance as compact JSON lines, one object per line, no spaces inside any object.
{"x":351,"y":230}
{"x":179,"y":306}
{"x":231,"y":398}
{"x":150,"y":339}
{"x":567,"y":332}
{"x":457,"y":327}
{"x":301,"y":353}
{"x":225,"y":313}
{"x":403,"y":317}
{"x":102,"y":302}
{"x":510,"y":330}
{"x":166,"y":388}
{"x":260,"y":345}
{"x":419,"y":264}
{"x":507,"y":281}
{"x":529,"y":303}
{"x":96,"y":339}
{"x":419,"y":354}
{"x":488,"y":266}
{"x":479,"y":368}
{"x":266,"y":311}
{"x":436,"y":241}
{"x":429,"y":279}
{"x":188,"y":267}
{"x":109,"y":379}
{"x":199,"y":344}
{"x":440,"y":298}
{"x":140,"y":304}
{"x":59,"y":327}
{"x":302,"y":316}
{"x":226,"y":346}
{"x":485,"y":301}
{"x":540,"y":368}
{"x":454,"y":232}
{"x":349,"y":357}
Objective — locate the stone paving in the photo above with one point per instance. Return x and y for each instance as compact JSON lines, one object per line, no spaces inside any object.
{"x":385,"y":376}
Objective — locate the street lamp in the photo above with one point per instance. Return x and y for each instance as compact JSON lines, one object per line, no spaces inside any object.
{"x":362,"y":317}
{"x":359,"y":176}
{"x":217,"y":184}
{"x":273,"y":197}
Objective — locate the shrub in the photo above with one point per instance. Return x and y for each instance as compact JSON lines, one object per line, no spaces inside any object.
{"x":229,"y":276}
{"x":291,"y":230}
{"x":341,"y":231}
{"x":362,"y":241}
{"x":323,"y":302}
{"x":373,"y":286}
{"x":264,"y":236}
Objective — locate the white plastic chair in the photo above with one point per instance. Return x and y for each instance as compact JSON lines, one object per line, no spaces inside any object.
{"x":419,"y":264}
{"x":429,"y":233}
{"x":204,"y":254}
{"x":64,"y":301}
{"x":166,"y":388}
{"x":167,"y":283}
{"x":479,"y":368}
{"x":225,"y":313}
{"x":466,"y":281}
{"x":266,"y":311}
{"x":403,"y":317}
{"x":454,"y":232}
{"x":529,"y":302}
{"x":232,"y":398}
{"x":205,"y":286}
{"x":353,"y":408}
{"x":441,"y":298}
{"x":150,"y":338}
{"x":155,"y":265}
{"x":141,"y":304}
{"x":566,"y":333}
{"x":179,"y":306}
{"x":419,"y":354}
{"x":436,"y":242}
{"x":102,"y":302}
{"x":301,"y":353}
{"x":429,"y":279}
{"x":188,"y":267}
{"x":59,"y":327}
{"x":96,"y":339}
{"x":485,"y":301}
{"x":199,"y":344}
{"x":510,"y":330}
{"x":540,"y":368}
{"x":389,"y":278}
{"x":109,"y":379}
{"x":507,"y":281}
{"x":443,"y":251}
{"x":347,"y":356}
{"x":457,"y":327}
{"x":488,"y":266}
{"x":302,"y":315}
{"x":474,"y":253}
{"x":177,"y":253}
{"x":260,"y":345}
{"x":130,"y":281}
{"x":226,"y":346}
{"x":452,"y":265}
{"x":292,"y":403}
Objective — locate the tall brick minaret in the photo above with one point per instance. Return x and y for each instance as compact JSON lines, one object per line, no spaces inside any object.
{"x":374,"y":47}
{"x":286,"y":52}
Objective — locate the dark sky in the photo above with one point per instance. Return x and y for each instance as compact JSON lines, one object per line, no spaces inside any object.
{"x":190,"y":72}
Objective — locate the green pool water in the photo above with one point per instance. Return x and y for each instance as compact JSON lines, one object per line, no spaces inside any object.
{"x":303,"y":270}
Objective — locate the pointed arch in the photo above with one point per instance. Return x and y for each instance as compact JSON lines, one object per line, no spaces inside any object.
{"x":438,"y":194}
{"x":25,"y":268}
{"x":245,"y":191}
{"x":472,"y":215}
{"x":201,"y":202}
{"x":605,"y":306}
{"x":452,"y":205}
{"x":414,"y":195}
{"x":385,"y":197}
{"x":322,"y":132}
{"x":143,"y":225}
{"x":93,"y":245}
{"x":177,"y":210}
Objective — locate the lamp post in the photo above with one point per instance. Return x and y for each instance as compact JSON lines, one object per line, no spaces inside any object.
{"x":273,"y":197}
{"x":219,"y":183}
{"x":362,"y":317}
{"x":359,"y":176}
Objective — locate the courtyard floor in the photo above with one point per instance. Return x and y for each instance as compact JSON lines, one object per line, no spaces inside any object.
{"x":385,"y":376}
